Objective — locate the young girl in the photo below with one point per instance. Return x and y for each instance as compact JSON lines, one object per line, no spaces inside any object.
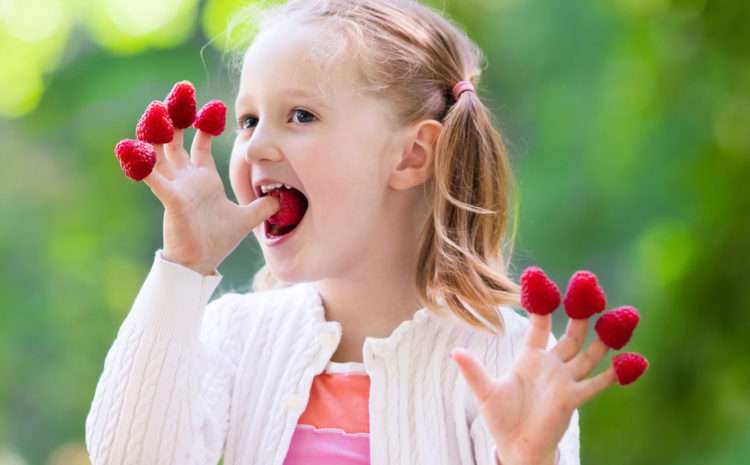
{"x":367,"y":110}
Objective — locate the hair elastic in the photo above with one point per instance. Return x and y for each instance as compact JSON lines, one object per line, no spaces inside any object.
{"x":461,"y":87}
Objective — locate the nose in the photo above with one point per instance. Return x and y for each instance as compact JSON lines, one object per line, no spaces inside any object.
{"x":260,"y":146}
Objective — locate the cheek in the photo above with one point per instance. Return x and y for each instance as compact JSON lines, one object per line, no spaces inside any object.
{"x":346,"y":200}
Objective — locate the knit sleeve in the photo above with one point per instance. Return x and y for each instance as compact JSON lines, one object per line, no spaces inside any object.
{"x":164,"y":392}
{"x":483,"y":443}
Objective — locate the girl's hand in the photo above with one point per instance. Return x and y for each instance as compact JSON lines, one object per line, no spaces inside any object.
{"x":528,"y":411}
{"x":201,"y":225}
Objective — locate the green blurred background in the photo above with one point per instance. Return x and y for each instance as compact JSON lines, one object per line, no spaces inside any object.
{"x":629,"y":129}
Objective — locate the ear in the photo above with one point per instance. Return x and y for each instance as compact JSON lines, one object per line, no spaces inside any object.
{"x":413,"y":165}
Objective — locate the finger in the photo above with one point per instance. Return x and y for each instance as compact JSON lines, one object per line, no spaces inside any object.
{"x":572,"y":341}
{"x":175,"y":151}
{"x":593,"y":386}
{"x":260,"y":209}
{"x":537,"y":336}
{"x":200,"y":150}
{"x":163,"y":166}
{"x":586,"y":361}
{"x":476,"y":377}
{"x":159,"y":185}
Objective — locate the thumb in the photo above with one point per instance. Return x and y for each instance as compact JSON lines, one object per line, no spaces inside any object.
{"x":260,"y":209}
{"x":476,"y":377}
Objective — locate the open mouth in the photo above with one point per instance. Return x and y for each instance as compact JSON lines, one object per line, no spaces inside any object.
{"x":293,"y":206}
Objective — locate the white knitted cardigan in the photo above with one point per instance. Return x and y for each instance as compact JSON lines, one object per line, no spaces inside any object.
{"x":186,"y":381}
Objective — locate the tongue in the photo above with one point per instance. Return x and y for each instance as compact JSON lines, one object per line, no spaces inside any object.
{"x":292,"y":207}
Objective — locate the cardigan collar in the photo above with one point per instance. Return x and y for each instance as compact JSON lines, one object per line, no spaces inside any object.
{"x":421,"y":317}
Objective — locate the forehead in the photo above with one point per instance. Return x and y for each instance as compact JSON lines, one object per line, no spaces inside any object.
{"x":282,"y":61}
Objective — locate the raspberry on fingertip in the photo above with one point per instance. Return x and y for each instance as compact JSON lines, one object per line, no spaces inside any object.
{"x":155,"y":125}
{"x":539,"y":294}
{"x":629,"y":366}
{"x":584,"y":296}
{"x":137,"y":158}
{"x":181,"y":104}
{"x":616,"y":326}
{"x":212,"y":118}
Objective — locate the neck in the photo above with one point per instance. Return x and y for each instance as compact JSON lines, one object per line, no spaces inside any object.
{"x":374,"y":297}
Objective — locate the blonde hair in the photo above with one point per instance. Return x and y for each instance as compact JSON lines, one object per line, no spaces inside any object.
{"x":413,"y":56}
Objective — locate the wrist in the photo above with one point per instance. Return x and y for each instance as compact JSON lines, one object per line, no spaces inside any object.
{"x":203,"y":269}
{"x":553,"y":459}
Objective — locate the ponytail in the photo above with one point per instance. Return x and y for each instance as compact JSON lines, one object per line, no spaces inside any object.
{"x":461,"y":256}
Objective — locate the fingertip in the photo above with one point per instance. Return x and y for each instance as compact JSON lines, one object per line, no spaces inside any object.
{"x":158,"y":148}
{"x":149,"y":180}
{"x":612,"y":376}
{"x":273,"y":204}
{"x":152,"y":178}
{"x":544,"y":320}
{"x":203,"y":135}
{"x":202,"y":140}
{"x":177,"y":137}
{"x":156,"y":182}
{"x":200,"y":150}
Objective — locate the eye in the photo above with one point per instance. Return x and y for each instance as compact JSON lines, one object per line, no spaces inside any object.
{"x":241,"y":121}
{"x":247,"y":121}
{"x":298,"y":111}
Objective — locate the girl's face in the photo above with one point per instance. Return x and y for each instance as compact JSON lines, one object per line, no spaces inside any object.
{"x":336,"y":147}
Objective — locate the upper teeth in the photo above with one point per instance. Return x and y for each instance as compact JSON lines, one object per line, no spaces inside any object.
{"x":266,"y":188}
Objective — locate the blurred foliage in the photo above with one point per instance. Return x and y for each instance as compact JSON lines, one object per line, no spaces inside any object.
{"x":627,"y":121}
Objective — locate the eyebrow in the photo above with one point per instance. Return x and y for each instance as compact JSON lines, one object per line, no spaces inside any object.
{"x":294,"y":92}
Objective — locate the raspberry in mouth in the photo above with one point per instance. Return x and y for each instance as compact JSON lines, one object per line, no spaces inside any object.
{"x":293,"y":205}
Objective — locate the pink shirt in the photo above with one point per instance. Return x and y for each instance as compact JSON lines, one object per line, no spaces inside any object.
{"x":334,"y":429}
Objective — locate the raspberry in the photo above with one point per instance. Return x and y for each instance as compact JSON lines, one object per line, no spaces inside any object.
{"x":181,"y":104}
{"x":616,"y":326}
{"x":155,"y":126}
{"x":629,"y":366}
{"x":539,"y":294}
{"x":292,"y":205}
{"x":212,"y":117}
{"x":137,"y":158}
{"x":584,"y":297}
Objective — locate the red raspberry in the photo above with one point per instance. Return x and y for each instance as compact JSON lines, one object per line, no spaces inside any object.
{"x":629,"y":366}
{"x":155,"y":126}
{"x":181,"y":104}
{"x":616,"y":326}
{"x":584,"y":297}
{"x":137,"y":158}
{"x":291,"y":207}
{"x":539,"y":294}
{"x":212,"y":117}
